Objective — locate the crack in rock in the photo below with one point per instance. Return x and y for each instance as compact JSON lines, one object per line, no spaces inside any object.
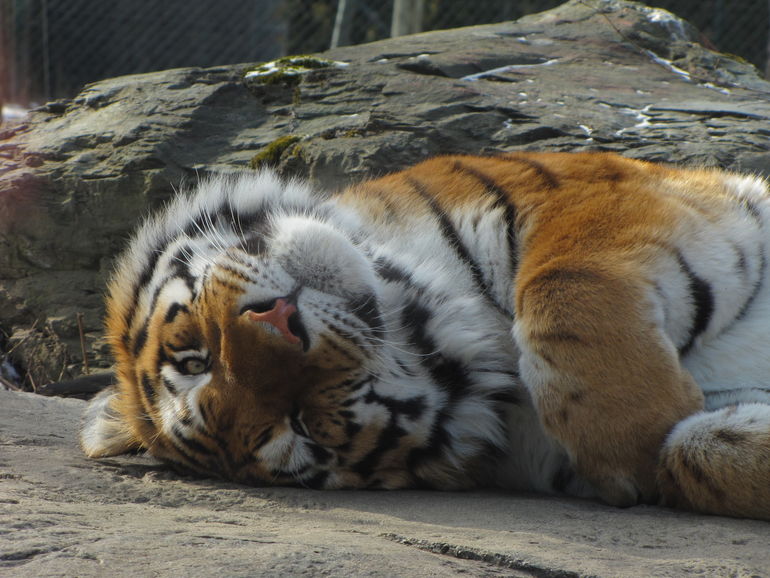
{"x":23,"y":555}
{"x":477,"y":555}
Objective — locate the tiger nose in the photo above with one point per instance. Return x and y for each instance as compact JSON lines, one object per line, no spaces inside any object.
{"x":278,"y":317}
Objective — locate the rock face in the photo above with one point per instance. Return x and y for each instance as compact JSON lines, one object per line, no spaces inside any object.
{"x":601,"y":75}
{"x":64,"y":515}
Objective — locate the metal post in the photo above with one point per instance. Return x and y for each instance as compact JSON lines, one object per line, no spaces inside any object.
{"x":343,"y":23}
{"x":46,"y":47}
{"x":407,"y":17}
{"x":767,"y":54}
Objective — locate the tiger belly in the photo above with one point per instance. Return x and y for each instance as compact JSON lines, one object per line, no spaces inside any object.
{"x":728,"y":261}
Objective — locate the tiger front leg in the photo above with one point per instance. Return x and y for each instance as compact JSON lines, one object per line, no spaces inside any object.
{"x":605,"y":379}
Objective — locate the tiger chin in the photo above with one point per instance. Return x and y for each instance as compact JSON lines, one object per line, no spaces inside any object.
{"x":577,"y":324}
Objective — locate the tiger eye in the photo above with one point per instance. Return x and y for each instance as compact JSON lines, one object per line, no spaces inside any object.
{"x":193,"y":366}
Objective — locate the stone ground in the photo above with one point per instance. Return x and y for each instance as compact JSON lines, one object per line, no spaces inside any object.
{"x":64,"y":515}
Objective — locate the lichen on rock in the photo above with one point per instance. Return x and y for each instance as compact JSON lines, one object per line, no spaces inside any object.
{"x":288,"y":69}
{"x":271,"y":154}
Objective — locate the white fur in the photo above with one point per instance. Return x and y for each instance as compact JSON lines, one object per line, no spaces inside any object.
{"x":733,"y":356}
{"x":103,"y":434}
{"x":697,"y":431}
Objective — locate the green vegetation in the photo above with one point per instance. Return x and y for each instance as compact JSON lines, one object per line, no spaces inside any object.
{"x":271,"y":154}
{"x":288,"y":69}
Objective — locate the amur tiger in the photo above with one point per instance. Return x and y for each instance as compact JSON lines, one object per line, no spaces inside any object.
{"x":562,"y":323}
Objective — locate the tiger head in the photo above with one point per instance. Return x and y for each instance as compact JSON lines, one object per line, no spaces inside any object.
{"x":253,"y":340}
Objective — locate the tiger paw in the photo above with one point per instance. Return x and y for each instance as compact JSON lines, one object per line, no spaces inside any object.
{"x":620,"y":491}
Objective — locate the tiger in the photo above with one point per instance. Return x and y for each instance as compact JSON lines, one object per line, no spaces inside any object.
{"x":566,"y":323}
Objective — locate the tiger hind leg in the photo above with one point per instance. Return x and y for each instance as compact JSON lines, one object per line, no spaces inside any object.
{"x":606,"y":381}
{"x":718,"y":462}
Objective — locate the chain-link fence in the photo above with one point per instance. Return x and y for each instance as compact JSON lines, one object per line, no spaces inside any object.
{"x":50,"y":48}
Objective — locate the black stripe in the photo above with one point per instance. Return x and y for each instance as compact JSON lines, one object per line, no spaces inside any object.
{"x":236,"y":273}
{"x":757,"y":286}
{"x":502,"y":199}
{"x":180,"y":268}
{"x":388,"y":439}
{"x":174,"y":310}
{"x":451,"y":234}
{"x":189,"y":443}
{"x":187,"y":345}
{"x":253,"y":229}
{"x":338,"y":350}
{"x":226,"y":284}
{"x":510,"y":395}
{"x":168,"y":385}
{"x":351,"y":429}
{"x":141,"y":338}
{"x":320,"y":454}
{"x":449,"y":374}
{"x":731,"y":437}
{"x":149,"y":269}
{"x":255,"y":222}
{"x":438,"y":441}
{"x":391,"y":273}
{"x":262,"y":439}
{"x":358,"y":385}
{"x":752,"y":209}
{"x":205,"y":411}
{"x":144,"y":278}
{"x":415,"y":317}
{"x":185,"y":446}
{"x":200,"y":226}
{"x":149,"y":391}
{"x":178,"y":271}
{"x":349,"y":386}
{"x":412,"y":408}
{"x":703,"y":301}
{"x":549,"y":179}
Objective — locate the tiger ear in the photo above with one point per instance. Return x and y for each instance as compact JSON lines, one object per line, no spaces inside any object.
{"x":104,"y":431}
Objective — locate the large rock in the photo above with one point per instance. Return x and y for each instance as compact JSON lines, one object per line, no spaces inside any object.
{"x":601,"y":75}
{"x":64,"y":515}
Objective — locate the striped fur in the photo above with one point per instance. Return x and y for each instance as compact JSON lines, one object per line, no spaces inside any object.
{"x":577,"y":323}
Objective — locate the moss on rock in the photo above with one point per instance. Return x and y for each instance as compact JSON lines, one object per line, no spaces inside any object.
{"x":271,"y":154}
{"x":288,"y":69}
